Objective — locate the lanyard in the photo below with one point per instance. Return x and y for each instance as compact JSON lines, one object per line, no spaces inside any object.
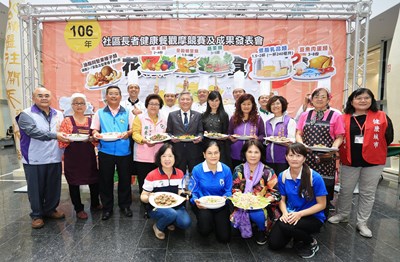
{"x":361,"y":127}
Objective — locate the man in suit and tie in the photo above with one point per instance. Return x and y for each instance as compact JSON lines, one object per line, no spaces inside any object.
{"x":186,"y":122}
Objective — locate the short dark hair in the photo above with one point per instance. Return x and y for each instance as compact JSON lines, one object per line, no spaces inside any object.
{"x":113,"y":87}
{"x":161,"y":151}
{"x":151,"y":97}
{"x":349,"y":109}
{"x":253,"y":142}
{"x":281,"y":99}
{"x":209,"y":144}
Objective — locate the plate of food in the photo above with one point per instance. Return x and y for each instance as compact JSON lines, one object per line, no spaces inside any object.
{"x":107,"y":76}
{"x":186,"y":66}
{"x":165,"y":200}
{"x":322,"y":148}
{"x":215,"y":135}
{"x":110,"y":136}
{"x":278,"y":139}
{"x":78,"y":137}
{"x":242,"y":137}
{"x":248,"y":201}
{"x":186,"y":138}
{"x":158,"y":138}
{"x":212,"y":202}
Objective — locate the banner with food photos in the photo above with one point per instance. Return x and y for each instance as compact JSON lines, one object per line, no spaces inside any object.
{"x":293,"y":56}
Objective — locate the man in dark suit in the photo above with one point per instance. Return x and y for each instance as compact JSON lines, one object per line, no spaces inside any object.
{"x":186,"y":122}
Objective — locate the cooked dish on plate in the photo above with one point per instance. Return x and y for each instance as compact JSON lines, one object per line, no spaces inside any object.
{"x":248,"y":201}
{"x":165,"y":200}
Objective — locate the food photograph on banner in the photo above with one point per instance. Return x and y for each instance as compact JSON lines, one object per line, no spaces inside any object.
{"x":288,"y":56}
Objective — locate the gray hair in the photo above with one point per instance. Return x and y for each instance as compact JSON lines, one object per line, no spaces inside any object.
{"x":185,"y":93}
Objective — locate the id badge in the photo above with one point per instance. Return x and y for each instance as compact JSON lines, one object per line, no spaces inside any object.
{"x":359,"y":139}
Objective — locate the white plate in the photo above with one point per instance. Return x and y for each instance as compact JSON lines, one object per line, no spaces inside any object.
{"x":238,"y":137}
{"x":77,"y":138}
{"x":179,"y":199}
{"x":216,"y":73}
{"x":160,"y":141}
{"x":271,"y":139}
{"x":323,"y":149}
{"x":213,"y":137}
{"x":156,"y":73}
{"x":271,"y":78}
{"x":109,"y":137}
{"x":205,"y":202}
{"x":313,"y":78}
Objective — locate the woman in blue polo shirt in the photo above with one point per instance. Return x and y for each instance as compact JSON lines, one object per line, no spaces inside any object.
{"x":212,"y":178}
{"x":303,"y":202}
{"x":165,"y":178}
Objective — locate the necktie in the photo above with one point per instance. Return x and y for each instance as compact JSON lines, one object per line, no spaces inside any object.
{"x":186,"y":121}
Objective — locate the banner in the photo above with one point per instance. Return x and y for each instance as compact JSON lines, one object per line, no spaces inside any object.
{"x":292,"y":56}
{"x":12,"y":68}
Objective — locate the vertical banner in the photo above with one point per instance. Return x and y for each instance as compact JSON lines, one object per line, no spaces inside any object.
{"x":12,"y":68}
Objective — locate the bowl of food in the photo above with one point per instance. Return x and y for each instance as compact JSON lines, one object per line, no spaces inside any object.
{"x":212,"y":202}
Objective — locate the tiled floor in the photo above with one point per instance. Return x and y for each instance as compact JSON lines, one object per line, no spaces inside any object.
{"x":132,"y":239}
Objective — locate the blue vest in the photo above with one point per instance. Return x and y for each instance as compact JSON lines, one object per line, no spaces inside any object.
{"x":117,"y":123}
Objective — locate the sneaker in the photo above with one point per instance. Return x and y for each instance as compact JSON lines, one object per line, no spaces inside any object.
{"x":82,"y":215}
{"x":338,"y":219}
{"x":308,"y":250}
{"x":159,"y":234}
{"x":56,"y":215}
{"x":364,"y":230}
{"x":37,"y":223}
{"x":171,"y":227}
{"x":260,"y":238}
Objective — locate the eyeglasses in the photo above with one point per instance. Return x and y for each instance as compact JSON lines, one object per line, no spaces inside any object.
{"x":151,"y":104}
{"x":79,"y":104}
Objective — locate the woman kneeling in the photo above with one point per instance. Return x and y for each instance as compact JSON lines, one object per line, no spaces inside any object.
{"x":303,"y":201}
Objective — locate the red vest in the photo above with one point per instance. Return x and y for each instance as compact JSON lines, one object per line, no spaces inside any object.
{"x":374,"y":148}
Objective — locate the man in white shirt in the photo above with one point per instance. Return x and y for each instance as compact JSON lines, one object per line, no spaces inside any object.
{"x":202,"y":95}
{"x":132,"y":103}
{"x":238,"y":90}
{"x":169,"y":97}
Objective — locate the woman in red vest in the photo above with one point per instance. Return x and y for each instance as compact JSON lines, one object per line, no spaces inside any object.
{"x":369,"y":131}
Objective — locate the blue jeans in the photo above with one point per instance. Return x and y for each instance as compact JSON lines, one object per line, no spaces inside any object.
{"x":258,"y":217}
{"x":169,"y":216}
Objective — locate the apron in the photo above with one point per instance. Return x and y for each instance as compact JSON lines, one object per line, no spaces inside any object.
{"x":318,"y":133}
{"x":80,"y":165}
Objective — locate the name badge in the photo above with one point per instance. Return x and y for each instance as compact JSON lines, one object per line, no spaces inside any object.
{"x":359,"y":139}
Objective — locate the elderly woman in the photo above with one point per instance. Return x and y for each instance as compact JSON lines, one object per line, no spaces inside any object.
{"x":80,"y":165}
{"x":215,"y":120}
{"x":369,"y":131}
{"x":322,"y":127}
{"x":244,"y":122}
{"x":281,"y":125}
{"x":154,"y":182}
{"x":256,"y":178}
{"x":303,"y":201}
{"x":212,"y":178}
{"x":144,"y":126}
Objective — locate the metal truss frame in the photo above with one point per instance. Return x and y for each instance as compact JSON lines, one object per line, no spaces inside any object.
{"x":355,"y":12}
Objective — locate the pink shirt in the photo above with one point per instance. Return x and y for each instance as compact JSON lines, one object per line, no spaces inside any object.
{"x":96,"y":121}
{"x":336,"y":124}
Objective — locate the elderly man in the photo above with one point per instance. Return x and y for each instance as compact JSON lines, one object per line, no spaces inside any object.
{"x":132,"y":103}
{"x":186,"y":122}
{"x":114,"y":118}
{"x":41,"y":156}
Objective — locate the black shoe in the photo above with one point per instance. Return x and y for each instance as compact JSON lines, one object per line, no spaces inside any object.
{"x":127,"y":212}
{"x":260,"y":238}
{"x":106,"y":215}
{"x":308,"y":250}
